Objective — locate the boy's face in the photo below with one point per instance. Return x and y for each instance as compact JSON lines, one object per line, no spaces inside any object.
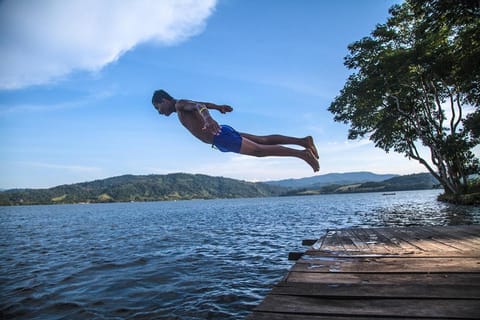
{"x":164,"y":107}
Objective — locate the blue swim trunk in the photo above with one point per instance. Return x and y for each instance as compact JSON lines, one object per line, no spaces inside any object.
{"x":228,"y":140}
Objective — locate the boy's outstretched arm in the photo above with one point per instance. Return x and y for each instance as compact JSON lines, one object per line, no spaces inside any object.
{"x":189,"y":105}
{"x":222,"y":108}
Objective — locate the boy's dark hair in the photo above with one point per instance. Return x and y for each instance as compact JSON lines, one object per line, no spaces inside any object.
{"x":159,"y":95}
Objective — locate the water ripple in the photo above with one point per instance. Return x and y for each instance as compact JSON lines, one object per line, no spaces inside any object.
{"x":178,"y":260}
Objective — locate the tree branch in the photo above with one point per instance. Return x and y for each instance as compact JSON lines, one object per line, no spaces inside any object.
{"x":441,"y":116}
{"x":459,"y":112}
{"x":414,"y":154}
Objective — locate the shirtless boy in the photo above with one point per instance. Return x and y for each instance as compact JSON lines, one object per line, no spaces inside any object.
{"x":196,"y":118}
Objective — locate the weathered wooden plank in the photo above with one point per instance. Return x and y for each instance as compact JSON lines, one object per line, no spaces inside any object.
{"x":413,"y":240}
{"x":435,"y":238}
{"x":459,"y":238}
{"x":430,"y":237}
{"x":377,"y":244}
{"x":309,"y":242}
{"x":332,"y":242}
{"x":387,"y":264}
{"x":295,"y":255}
{"x":385,"y":273}
{"x":464,"y":231}
{"x":319,"y":244}
{"x":434,"y":308}
{"x":471,"y":232}
{"x":459,"y":279}
{"x":360,"y":254}
{"x":411,"y":290}
{"x":359,"y":243}
{"x":460,"y":241}
{"x":258,"y":315}
{"x":346,"y":241}
{"x":423,"y":240}
{"x":336,"y":242}
{"x":386,"y":238}
{"x":405,"y":243}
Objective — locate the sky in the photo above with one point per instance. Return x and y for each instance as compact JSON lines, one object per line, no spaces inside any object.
{"x":77,"y":77}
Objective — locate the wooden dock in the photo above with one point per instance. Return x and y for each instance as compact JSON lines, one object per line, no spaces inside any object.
{"x":382,"y":273}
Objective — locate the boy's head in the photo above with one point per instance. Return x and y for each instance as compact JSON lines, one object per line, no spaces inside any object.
{"x":159,"y":95}
{"x":163,"y":102}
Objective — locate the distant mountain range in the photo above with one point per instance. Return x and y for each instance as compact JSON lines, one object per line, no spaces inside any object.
{"x":319,"y":181}
{"x":176,"y":186}
{"x":419,"y":181}
{"x":182,"y":186}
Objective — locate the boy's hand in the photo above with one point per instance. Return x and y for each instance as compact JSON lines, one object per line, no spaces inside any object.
{"x":225,"y":108}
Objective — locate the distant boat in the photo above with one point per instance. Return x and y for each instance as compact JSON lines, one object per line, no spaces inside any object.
{"x":389,"y":194}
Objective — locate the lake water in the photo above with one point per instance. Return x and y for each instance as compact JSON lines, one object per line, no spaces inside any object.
{"x":211,"y":259}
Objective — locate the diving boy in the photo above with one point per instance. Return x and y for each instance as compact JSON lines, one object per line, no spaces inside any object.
{"x":195,"y":116}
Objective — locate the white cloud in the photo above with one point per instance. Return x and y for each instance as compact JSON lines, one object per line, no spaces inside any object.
{"x":41,"y":41}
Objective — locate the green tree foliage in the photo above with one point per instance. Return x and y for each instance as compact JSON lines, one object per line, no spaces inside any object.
{"x":416,"y":81}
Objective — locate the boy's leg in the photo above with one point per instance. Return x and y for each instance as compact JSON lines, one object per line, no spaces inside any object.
{"x":306,"y":142}
{"x":255,"y":149}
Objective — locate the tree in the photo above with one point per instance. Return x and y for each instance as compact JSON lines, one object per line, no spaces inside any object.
{"x":417,"y":82}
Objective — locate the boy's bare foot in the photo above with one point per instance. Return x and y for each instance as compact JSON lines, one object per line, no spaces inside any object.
{"x":311,"y":146}
{"x":309,"y":157}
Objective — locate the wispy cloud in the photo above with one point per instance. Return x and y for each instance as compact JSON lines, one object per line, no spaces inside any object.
{"x":345,"y":146}
{"x":44,"y":40}
{"x":50,"y":107}
{"x":65,"y":167}
{"x":255,"y":169}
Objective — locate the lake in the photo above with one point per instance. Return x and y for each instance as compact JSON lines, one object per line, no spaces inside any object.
{"x":200,"y":259}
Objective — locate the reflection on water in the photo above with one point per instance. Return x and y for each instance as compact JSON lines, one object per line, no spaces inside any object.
{"x":212,"y":259}
{"x":408,"y":209}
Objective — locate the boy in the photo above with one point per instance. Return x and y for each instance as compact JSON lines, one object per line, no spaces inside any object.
{"x":197,"y":119}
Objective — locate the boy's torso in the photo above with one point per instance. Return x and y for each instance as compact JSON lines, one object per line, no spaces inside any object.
{"x":194,"y":123}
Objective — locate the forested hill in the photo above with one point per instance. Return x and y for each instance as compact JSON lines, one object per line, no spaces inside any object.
{"x":177,"y":186}
{"x":323,"y":180}
{"x":408,"y":182}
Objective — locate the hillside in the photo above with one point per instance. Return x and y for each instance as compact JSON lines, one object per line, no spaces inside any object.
{"x":177,"y":186}
{"x":419,"y":181}
{"x":181,"y":186}
{"x":319,"y":181}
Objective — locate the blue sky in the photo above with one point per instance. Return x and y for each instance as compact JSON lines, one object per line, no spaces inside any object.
{"x":77,"y":78}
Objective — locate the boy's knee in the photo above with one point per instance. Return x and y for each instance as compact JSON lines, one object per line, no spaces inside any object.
{"x":258,"y":152}
{"x":263,"y":140}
